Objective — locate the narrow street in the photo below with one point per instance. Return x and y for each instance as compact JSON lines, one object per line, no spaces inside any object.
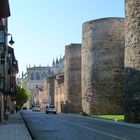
{"x":75,"y":127}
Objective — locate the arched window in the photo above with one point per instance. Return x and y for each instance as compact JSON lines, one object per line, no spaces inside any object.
{"x":37,"y":76}
{"x":43,"y":75}
{"x":32,"y":76}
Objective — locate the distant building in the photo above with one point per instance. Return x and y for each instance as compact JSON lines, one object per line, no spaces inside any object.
{"x":35,"y":78}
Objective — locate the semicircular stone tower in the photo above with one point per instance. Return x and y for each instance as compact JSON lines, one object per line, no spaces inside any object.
{"x":132,"y":61}
{"x":102,"y":65}
{"x":73,"y":77}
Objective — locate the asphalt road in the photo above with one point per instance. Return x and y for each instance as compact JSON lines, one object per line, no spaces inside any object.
{"x":74,"y":127}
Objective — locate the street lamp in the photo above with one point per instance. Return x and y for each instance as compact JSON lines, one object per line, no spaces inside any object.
{"x":11,"y":42}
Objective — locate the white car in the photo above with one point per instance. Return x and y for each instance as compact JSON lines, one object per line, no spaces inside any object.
{"x":36,"y":108}
{"x":51,"y":109}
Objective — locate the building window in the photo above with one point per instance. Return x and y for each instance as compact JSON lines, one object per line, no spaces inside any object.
{"x":32,"y":76}
{"x":43,"y":75}
{"x":37,"y":76}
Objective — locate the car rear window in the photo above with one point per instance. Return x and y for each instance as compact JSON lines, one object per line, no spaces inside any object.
{"x":51,"y":106}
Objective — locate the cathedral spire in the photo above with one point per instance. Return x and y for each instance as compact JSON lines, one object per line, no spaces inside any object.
{"x":57,"y":61}
{"x":53,"y":64}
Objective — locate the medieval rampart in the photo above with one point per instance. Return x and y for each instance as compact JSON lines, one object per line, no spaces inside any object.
{"x":102,"y":64}
{"x":73,"y":77}
{"x":132,"y":61}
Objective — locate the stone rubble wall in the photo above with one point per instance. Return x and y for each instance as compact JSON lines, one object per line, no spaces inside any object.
{"x":72,"y":76}
{"x":102,"y":65}
{"x":132,"y":61}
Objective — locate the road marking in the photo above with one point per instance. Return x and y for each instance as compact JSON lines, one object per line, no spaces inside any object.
{"x":91,"y":129}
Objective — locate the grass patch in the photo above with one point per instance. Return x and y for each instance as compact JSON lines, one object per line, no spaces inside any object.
{"x":113,"y":117}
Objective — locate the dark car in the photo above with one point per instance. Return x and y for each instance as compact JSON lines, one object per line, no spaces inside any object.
{"x":24,"y":108}
{"x":51,"y":109}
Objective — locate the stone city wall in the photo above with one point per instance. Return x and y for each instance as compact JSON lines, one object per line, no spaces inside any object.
{"x":73,"y":77}
{"x":102,"y":65}
{"x":132,"y":61}
{"x":51,"y":89}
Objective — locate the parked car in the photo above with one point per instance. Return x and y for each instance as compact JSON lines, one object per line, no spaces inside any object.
{"x":51,"y":109}
{"x":24,"y":108}
{"x":36,"y":108}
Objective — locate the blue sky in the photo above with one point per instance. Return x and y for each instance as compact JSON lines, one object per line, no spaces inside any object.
{"x":42,"y":28}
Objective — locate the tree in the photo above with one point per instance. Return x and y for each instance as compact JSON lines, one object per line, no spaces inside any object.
{"x":22,"y":95}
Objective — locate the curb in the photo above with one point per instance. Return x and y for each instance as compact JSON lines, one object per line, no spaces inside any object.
{"x":26,"y":127}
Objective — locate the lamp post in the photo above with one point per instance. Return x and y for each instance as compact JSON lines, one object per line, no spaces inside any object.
{"x":11,"y":42}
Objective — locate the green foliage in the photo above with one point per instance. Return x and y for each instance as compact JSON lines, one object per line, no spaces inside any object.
{"x":114,"y":117}
{"x":22,"y":95}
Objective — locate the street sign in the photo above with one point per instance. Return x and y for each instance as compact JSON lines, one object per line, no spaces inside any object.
{"x":46,"y":101}
{"x":89,"y":95}
{"x":89,"y":98}
{"x":89,"y":92}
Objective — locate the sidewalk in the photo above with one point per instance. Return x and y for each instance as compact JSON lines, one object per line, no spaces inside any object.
{"x":14,"y":129}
